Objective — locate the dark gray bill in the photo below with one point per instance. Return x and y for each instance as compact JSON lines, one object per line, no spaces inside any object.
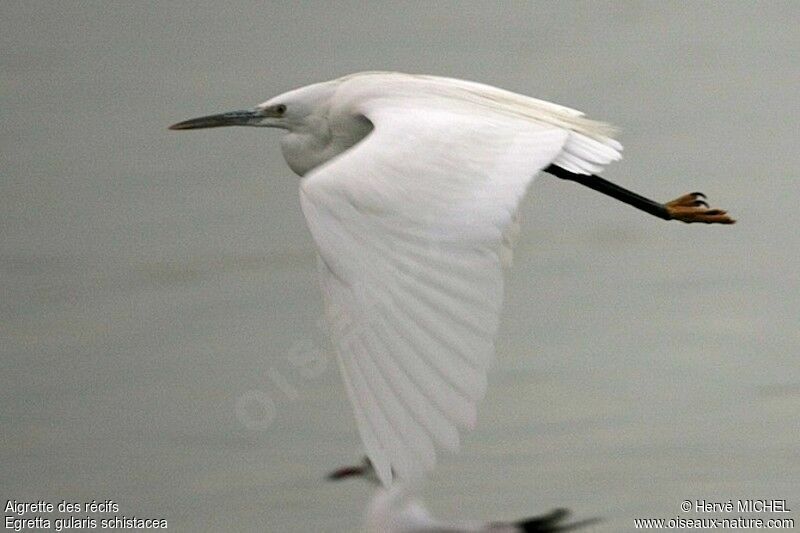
{"x":231,"y":118}
{"x":348,"y":471}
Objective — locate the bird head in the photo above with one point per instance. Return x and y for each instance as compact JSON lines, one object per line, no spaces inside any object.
{"x":291,"y":111}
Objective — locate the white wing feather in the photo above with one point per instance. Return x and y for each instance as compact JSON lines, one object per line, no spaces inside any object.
{"x":410,"y":226}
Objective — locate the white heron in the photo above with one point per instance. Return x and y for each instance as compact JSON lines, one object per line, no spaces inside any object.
{"x":397,"y":510}
{"x":410,"y":188}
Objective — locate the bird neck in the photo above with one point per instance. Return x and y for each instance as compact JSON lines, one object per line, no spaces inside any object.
{"x":307,"y":147}
{"x":304,"y":151}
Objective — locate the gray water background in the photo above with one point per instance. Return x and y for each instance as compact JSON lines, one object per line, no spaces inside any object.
{"x":152,"y":280}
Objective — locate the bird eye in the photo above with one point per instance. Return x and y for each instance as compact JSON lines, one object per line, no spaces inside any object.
{"x":280,"y":109}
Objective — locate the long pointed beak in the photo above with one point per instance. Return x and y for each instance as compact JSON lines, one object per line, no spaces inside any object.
{"x":231,"y":118}
{"x":346,"y":472}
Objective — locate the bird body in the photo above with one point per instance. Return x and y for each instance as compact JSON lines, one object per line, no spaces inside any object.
{"x":411,"y":226}
{"x":327,"y":118}
{"x":397,"y":509}
{"x":410,"y":189}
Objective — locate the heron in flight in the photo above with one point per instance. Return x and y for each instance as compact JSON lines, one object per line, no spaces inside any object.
{"x":397,"y":510}
{"x":410,"y":189}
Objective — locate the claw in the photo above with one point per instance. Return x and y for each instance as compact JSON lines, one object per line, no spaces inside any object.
{"x":690,"y":208}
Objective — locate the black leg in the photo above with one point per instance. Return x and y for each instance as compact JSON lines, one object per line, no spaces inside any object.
{"x":688,"y":208}
{"x":615,"y":191}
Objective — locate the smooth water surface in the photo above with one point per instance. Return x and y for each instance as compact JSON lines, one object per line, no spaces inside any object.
{"x":159,"y":302}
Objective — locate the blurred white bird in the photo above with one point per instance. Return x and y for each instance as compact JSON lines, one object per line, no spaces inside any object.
{"x":397,"y":510}
{"x":411,"y":187}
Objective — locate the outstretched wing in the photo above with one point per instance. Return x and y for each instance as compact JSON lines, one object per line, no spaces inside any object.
{"x":410,"y":227}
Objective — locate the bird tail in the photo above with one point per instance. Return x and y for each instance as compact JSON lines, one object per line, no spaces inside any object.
{"x":551,"y":522}
{"x":583,"y":154}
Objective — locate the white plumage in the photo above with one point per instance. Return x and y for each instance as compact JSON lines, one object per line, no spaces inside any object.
{"x":410,"y":224}
{"x":411,"y":187}
{"x":398,"y":509}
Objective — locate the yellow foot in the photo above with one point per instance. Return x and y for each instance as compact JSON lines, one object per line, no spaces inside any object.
{"x":692,"y":207}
